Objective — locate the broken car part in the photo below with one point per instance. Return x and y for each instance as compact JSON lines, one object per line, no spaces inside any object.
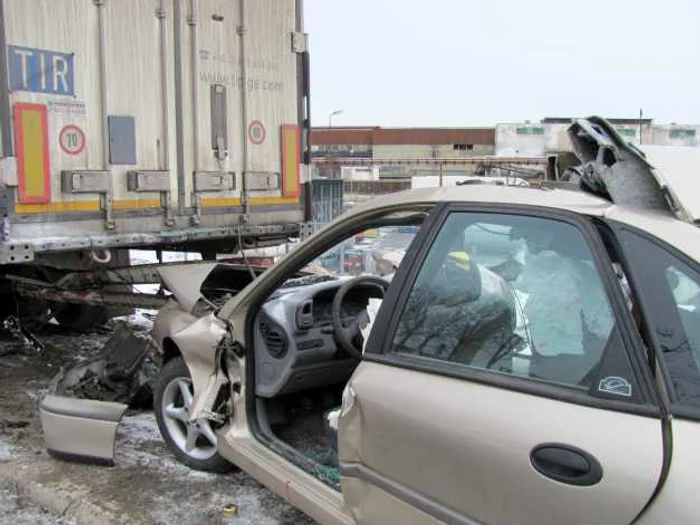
{"x":85,"y":429}
{"x":80,"y":429}
{"x":116,"y":374}
{"x":24,"y":336}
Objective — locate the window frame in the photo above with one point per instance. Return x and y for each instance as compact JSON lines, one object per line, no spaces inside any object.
{"x":378,"y":346}
{"x":641,"y":293}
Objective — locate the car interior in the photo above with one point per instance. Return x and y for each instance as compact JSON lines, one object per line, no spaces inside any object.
{"x":308,"y":342}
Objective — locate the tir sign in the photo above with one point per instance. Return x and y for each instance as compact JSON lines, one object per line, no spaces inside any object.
{"x":40,"y":71}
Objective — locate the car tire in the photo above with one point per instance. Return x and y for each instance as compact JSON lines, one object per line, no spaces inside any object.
{"x":171,"y":407}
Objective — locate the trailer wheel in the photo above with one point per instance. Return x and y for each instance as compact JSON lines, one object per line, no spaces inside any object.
{"x":79,"y":317}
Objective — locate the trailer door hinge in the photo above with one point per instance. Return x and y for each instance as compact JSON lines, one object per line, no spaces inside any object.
{"x":300,"y":42}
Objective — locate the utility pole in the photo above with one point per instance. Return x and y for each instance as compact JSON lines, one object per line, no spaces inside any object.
{"x":640,"y":126}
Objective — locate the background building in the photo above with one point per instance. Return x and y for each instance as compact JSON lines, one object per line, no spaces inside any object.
{"x":384,"y":146}
{"x":379,"y":160}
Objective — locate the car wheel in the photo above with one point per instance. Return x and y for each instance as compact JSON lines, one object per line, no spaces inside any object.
{"x":194,"y":444}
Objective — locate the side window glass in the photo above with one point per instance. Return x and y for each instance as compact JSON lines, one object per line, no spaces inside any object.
{"x":509,"y":294}
{"x":672,"y":292}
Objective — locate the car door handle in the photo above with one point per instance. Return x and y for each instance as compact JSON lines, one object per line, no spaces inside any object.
{"x":566,"y":464}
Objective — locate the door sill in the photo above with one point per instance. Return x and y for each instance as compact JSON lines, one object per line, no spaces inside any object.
{"x":312,"y":496}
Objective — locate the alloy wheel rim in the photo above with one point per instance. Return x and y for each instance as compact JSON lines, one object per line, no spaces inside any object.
{"x":195,"y":438}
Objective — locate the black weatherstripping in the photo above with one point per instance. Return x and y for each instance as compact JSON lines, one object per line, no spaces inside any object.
{"x":566,"y":464}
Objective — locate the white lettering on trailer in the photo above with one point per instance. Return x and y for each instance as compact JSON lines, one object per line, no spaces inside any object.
{"x":42,"y":64}
{"x":24,"y":55}
{"x":40,"y":70}
{"x":231,"y":80}
{"x":59,"y":73}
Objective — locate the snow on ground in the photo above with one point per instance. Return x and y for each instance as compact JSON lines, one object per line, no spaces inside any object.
{"x":146,"y":485}
{"x":16,"y":510}
{"x":7,"y":452}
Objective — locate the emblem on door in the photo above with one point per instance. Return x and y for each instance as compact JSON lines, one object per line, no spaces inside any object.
{"x":618,"y":386}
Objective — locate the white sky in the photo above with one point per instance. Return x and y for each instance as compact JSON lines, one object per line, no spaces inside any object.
{"x":480,"y":62}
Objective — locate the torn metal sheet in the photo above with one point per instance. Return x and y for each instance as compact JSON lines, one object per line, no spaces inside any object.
{"x":618,"y":171}
{"x":120,"y":373}
{"x":212,"y":283}
{"x":85,"y":403}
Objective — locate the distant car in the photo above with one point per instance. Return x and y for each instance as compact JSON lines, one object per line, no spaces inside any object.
{"x":535,"y":360}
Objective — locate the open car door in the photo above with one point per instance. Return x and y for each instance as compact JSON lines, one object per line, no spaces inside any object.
{"x":487,"y":396}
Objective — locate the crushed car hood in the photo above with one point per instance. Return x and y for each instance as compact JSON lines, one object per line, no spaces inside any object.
{"x":185,"y":281}
{"x":188,"y":282}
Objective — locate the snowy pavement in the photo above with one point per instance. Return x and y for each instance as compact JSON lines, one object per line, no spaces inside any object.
{"x":147,"y":484}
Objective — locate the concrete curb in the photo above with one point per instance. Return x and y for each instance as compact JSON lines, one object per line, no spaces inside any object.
{"x":56,"y":497}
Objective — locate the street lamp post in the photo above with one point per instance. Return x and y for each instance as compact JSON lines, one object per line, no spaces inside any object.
{"x":333,"y":114}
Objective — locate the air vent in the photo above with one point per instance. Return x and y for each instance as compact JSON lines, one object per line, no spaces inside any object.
{"x":274,"y":338}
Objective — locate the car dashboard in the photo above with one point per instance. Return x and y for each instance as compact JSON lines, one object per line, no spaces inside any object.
{"x":295,"y":348}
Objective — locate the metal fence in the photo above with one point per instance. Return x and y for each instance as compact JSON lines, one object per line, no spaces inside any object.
{"x":326,"y":201}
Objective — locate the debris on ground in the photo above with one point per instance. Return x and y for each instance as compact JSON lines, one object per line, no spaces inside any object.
{"x":12,"y":424}
{"x":147,"y":485}
{"x":122,"y":372}
{"x":23,"y":336}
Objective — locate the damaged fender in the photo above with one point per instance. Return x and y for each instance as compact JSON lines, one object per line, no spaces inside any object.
{"x":198,"y":344}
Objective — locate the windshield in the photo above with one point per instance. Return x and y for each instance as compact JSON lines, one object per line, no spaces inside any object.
{"x":376,"y":251}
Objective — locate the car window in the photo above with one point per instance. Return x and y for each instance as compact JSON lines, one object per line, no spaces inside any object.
{"x":671,"y":291}
{"x":509,"y":294}
{"x":362,"y":253}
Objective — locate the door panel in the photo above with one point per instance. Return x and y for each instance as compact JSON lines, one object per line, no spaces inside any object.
{"x":506,"y":385}
{"x":678,"y":501}
{"x":465,"y":448}
{"x":370,"y":504}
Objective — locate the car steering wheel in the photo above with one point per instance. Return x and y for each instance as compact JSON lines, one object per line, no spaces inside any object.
{"x":346,"y":334}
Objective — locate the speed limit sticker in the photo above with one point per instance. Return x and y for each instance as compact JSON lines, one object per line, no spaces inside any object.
{"x":72,"y":140}
{"x":256,"y":132}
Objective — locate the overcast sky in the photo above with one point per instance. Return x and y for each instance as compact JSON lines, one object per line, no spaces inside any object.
{"x":480,"y":62}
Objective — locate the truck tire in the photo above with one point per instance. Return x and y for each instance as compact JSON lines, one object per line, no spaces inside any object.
{"x":172,"y":397}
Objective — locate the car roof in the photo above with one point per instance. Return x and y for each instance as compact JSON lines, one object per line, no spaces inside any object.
{"x":663,"y":225}
{"x":576,"y":201}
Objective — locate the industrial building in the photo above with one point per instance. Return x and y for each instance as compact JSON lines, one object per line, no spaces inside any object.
{"x":373,"y":152}
{"x":385,"y":147}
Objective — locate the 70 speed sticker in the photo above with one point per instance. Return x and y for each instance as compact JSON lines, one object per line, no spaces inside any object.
{"x":72,"y":140}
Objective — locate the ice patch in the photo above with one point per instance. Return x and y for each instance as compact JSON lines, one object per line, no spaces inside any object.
{"x":7,"y":452}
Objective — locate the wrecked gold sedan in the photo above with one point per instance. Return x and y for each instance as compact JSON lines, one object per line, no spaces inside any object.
{"x":532,"y":359}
